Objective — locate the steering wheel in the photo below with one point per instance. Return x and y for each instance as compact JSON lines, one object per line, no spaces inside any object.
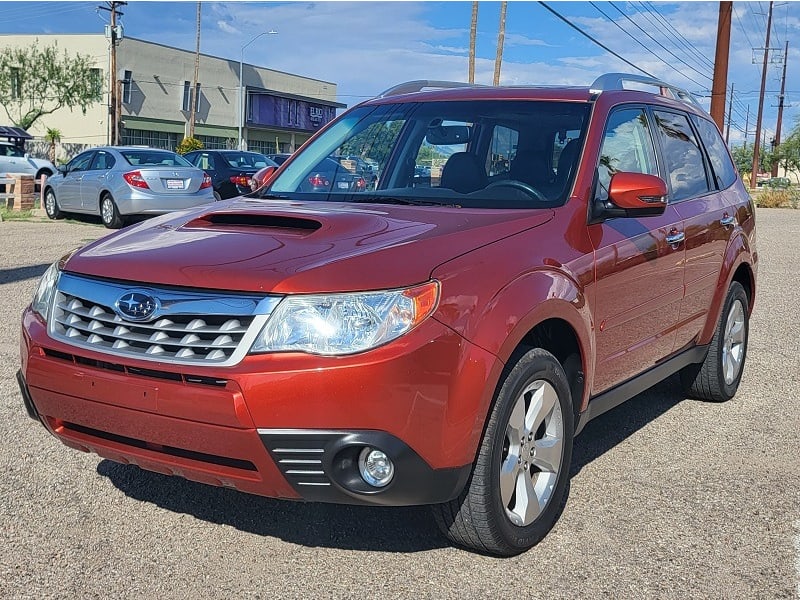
{"x":519,"y":185}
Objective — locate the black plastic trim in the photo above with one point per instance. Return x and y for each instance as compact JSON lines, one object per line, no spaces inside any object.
{"x":612,"y":398}
{"x":322,"y":466}
{"x":30,"y":407}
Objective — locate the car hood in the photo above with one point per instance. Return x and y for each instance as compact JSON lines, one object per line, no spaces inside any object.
{"x":294,"y":247}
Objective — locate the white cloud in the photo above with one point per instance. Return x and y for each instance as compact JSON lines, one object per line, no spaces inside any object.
{"x":227,"y":28}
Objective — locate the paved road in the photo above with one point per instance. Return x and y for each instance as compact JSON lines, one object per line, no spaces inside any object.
{"x":670,"y":497}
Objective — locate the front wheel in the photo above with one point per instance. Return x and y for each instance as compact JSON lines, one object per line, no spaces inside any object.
{"x":520,"y":480}
{"x":109,"y":213}
{"x":51,"y":205}
{"x":717,"y":377}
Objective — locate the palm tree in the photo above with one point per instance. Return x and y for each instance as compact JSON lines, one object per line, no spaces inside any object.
{"x":53,"y":136}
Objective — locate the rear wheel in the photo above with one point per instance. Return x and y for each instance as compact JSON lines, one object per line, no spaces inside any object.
{"x":109,"y":213}
{"x":520,"y":480}
{"x":51,"y":205}
{"x":217,"y":197}
{"x":717,"y":377}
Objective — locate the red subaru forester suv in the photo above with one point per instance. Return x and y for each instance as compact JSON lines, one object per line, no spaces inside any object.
{"x":527,"y":259}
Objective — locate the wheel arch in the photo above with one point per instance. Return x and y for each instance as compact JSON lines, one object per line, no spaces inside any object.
{"x":737,"y":266}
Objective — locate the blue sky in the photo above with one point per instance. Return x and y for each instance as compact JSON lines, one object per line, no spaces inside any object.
{"x":366,"y":47}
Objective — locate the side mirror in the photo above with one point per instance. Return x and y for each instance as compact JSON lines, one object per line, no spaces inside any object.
{"x":27,"y":155}
{"x":62,"y":169}
{"x":262,"y":177}
{"x":635,"y":195}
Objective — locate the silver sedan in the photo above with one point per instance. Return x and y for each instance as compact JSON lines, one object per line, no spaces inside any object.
{"x":114,"y":182}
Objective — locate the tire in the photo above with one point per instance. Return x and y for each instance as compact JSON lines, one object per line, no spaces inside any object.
{"x":717,"y":378}
{"x":217,"y":197}
{"x":489,"y":516}
{"x":109,"y":213}
{"x":51,"y":205}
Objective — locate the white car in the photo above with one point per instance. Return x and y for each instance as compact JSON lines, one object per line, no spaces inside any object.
{"x":14,"y":159}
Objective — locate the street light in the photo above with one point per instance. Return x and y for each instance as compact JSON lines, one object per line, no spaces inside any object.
{"x":240,"y":112}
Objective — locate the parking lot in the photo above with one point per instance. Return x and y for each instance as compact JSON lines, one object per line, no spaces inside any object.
{"x":670,"y":497}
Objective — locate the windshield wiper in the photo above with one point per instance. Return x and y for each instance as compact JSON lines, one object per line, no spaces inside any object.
{"x":398,"y":200}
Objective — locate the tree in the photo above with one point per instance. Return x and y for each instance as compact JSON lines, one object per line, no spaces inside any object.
{"x":38,"y":81}
{"x":53,"y":136}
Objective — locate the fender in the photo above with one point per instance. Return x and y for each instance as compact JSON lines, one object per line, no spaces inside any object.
{"x":737,"y":253}
{"x":515,"y":309}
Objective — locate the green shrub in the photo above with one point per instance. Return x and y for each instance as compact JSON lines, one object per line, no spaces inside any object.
{"x":779,"y":198}
{"x":189,"y":145}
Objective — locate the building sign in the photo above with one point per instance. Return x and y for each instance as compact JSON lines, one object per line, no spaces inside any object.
{"x":288,"y":113}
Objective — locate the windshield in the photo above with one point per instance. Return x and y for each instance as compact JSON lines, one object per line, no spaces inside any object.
{"x":154,"y":157}
{"x":485,"y":154}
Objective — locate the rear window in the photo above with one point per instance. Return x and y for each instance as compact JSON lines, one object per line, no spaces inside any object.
{"x":142,"y":158}
{"x":724,"y":171}
{"x":238,"y":160}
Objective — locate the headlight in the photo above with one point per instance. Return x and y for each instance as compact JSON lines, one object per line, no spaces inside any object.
{"x":336,"y":324}
{"x":45,"y":291}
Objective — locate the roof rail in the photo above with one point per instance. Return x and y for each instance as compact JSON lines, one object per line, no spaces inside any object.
{"x":614,"y":81}
{"x":409,"y":87}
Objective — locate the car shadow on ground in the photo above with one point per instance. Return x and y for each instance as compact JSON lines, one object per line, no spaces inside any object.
{"x":22,"y":273}
{"x":384,"y":529}
{"x":608,"y":430}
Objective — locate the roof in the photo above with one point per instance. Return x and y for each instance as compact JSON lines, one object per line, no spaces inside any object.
{"x":14,"y":132}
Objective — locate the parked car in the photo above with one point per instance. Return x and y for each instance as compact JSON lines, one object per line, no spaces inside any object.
{"x":115,"y":182}
{"x":230,"y":170}
{"x":14,"y":159}
{"x":279,"y":158}
{"x":780,"y":183}
{"x":330,"y":175}
{"x":438,"y":344}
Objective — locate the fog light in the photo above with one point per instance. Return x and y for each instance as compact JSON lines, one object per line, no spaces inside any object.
{"x":376,"y":468}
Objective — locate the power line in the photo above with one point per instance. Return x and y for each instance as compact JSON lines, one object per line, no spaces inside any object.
{"x":603,"y":46}
{"x":626,"y":32}
{"x":675,"y":34}
{"x":662,"y":45}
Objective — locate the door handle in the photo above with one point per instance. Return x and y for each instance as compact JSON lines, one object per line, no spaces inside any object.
{"x":674,"y":239}
{"x":727,"y":221}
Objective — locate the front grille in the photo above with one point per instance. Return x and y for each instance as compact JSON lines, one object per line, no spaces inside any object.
{"x":188,"y":326}
{"x":211,"y":339}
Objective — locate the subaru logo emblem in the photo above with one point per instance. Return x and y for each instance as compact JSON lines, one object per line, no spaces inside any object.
{"x":136,"y":306}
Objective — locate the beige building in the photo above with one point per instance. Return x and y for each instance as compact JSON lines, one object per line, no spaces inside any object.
{"x":280,"y":113}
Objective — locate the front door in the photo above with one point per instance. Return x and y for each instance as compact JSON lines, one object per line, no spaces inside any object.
{"x":639,"y":262}
{"x":69,"y":191}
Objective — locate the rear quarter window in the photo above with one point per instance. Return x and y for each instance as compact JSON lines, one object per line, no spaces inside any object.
{"x":724,"y":171}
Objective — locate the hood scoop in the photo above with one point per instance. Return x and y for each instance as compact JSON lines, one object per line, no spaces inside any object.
{"x":253,"y":221}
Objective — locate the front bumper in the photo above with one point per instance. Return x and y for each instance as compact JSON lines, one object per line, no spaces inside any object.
{"x":421,"y":401}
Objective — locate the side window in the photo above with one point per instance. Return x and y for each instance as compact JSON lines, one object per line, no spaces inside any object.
{"x":627,"y":146}
{"x":682,"y":155}
{"x":724,"y":171}
{"x":204,"y":161}
{"x":102,"y":161}
{"x":80,"y":162}
{"x":502,"y":151}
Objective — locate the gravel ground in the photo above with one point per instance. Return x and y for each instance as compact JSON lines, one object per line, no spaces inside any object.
{"x":670,"y":497}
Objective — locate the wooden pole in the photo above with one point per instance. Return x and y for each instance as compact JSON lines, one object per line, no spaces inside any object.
{"x":501,"y":35}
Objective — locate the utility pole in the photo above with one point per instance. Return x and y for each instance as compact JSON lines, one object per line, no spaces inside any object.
{"x":113,"y":102}
{"x":193,"y":104}
{"x":757,"y":146}
{"x":780,"y":107}
{"x":473,"y":34}
{"x":720,"y":82}
{"x":501,"y":36}
{"x":746,"y":126}
{"x":730,"y":112}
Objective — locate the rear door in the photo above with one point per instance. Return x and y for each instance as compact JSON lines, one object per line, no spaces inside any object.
{"x":639,"y":266}
{"x":699,"y":181}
